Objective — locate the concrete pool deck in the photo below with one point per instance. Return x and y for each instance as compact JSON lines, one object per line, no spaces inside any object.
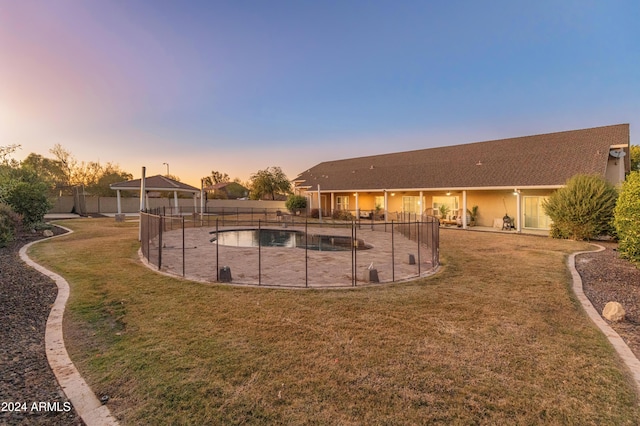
{"x":288,"y":267}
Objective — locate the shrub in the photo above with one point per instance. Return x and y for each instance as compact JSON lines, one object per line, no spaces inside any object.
{"x":315,"y":213}
{"x":9,"y":224}
{"x":583,"y":209}
{"x":296,"y":203}
{"x":29,"y":199}
{"x":342,"y":215}
{"x":627,"y":218}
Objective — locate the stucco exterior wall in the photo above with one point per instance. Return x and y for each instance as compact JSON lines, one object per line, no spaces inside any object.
{"x":492,"y":204}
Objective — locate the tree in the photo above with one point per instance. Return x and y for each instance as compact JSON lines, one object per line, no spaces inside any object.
{"x":627,"y":214}
{"x":64,"y":172}
{"x":583,"y":209}
{"x":268,"y":183}
{"x":22,"y":189}
{"x":296,"y":203}
{"x":635,"y":157}
{"x":30,"y":200}
{"x":67,"y":163}
{"x":109,"y":175}
{"x":9,"y":172}
{"x":5,"y":153}
{"x":9,"y":224}
{"x":216,"y":177}
{"x":45,"y":169}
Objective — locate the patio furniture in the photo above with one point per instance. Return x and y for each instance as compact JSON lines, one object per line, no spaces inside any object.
{"x":507,"y":223}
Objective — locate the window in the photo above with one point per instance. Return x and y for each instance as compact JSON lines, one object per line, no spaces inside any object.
{"x":534,"y":216}
{"x":342,"y":202}
{"x":379,"y":202}
{"x":452,"y":205}
{"x":410,"y":204}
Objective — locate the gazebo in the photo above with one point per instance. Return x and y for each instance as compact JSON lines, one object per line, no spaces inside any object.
{"x":155,"y":183}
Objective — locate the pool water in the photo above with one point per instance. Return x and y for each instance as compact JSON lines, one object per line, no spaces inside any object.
{"x":286,"y":238}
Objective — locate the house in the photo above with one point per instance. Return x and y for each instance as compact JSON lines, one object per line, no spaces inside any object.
{"x":226,"y":191}
{"x":502,"y":177}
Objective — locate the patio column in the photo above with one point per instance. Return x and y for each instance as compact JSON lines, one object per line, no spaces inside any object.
{"x":357,"y":207}
{"x":201,"y":198}
{"x":195,"y":203}
{"x":143,"y":189}
{"x":319,"y":205}
{"x":421,"y":204}
{"x":464,"y":209}
{"x":333,"y":203}
{"x":175,"y":201}
{"x":386,"y":205}
{"x":119,"y":202}
{"x":518,"y":211}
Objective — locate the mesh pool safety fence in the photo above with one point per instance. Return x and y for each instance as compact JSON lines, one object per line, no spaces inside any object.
{"x":289,"y":250}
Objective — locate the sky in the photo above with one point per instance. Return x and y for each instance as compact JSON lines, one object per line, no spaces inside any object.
{"x":238,"y":86}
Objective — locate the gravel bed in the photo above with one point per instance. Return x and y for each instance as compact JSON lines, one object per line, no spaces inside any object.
{"x":608,"y":278}
{"x":27,"y":383}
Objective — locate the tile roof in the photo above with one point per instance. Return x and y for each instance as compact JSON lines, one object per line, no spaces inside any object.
{"x":539,"y":160}
{"x":155,"y":183}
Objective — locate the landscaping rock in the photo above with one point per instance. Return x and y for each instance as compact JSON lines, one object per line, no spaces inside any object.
{"x":25,"y":375}
{"x":47,"y":233}
{"x":613,"y":311}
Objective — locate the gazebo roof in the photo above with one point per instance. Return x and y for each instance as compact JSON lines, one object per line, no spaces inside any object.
{"x":155,"y":183}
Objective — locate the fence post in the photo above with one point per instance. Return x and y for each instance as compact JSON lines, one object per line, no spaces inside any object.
{"x":355,"y":255}
{"x":393,"y":254}
{"x":418,"y":238}
{"x":259,"y":253}
{"x":183,"y":249}
{"x":160,"y":242}
{"x":217,"y":253}
{"x":306,"y":254}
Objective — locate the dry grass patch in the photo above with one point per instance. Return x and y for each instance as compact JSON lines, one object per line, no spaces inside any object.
{"x":495,"y":338}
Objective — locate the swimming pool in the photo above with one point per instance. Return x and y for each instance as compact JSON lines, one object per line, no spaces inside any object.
{"x":286,"y":238}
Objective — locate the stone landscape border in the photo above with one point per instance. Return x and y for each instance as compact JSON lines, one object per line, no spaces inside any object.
{"x":85,"y":402}
{"x":625,"y":353}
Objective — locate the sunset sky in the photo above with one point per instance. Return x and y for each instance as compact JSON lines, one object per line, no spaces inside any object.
{"x":238,"y":86}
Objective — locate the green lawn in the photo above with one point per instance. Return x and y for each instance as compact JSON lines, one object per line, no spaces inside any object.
{"x":495,"y":338}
